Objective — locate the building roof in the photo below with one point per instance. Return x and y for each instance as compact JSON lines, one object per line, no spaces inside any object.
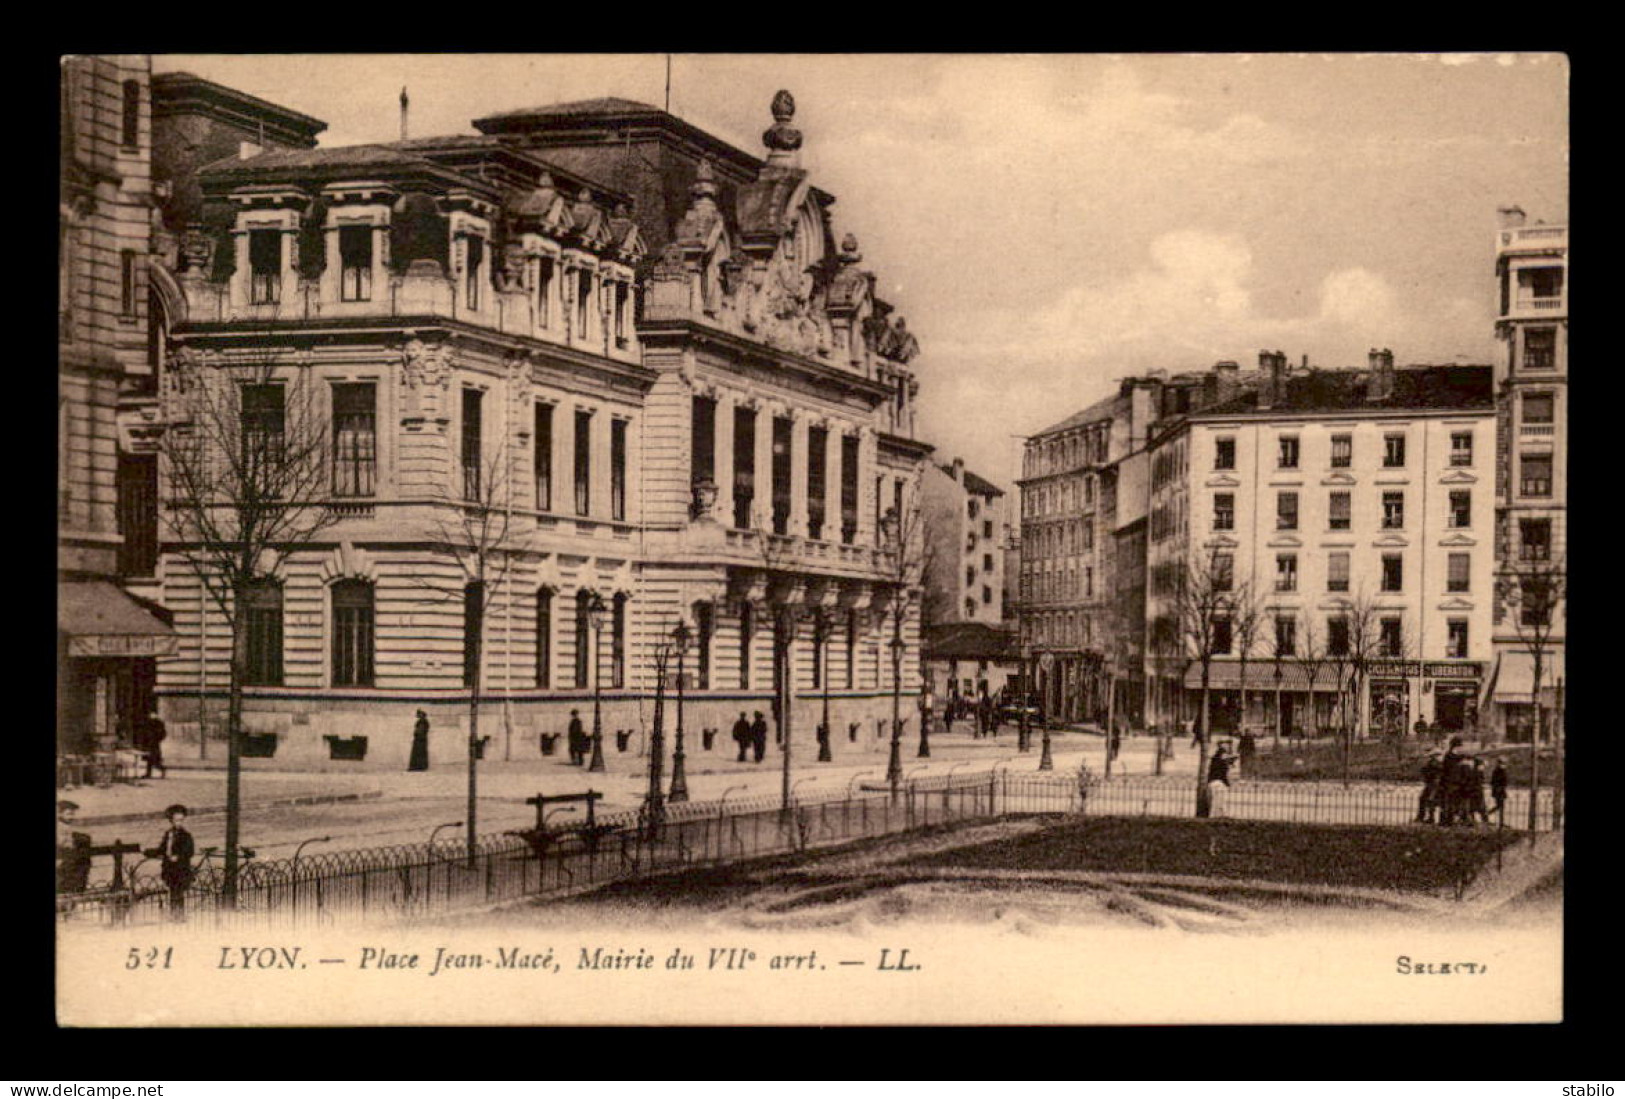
{"x":981,"y":486}
{"x":1100,"y":410}
{"x":970,"y":641}
{"x":181,"y":92}
{"x":1455,"y":386}
{"x":607,"y":104}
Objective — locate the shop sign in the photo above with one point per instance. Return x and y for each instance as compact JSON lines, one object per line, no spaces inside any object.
{"x":1396,"y":667}
{"x":122,"y":645}
{"x":1470,"y":670}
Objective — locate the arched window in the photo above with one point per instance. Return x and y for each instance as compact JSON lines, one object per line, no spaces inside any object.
{"x":352,"y":634}
{"x":544,"y":637}
{"x":131,"y":131}
{"x":262,"y":622}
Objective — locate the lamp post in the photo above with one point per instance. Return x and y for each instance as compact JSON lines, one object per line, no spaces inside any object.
{"x":1024,"y":734}
{"x":679,"y":778}
{"x":925,"y":720}
{"x":595,"y":619}
{"x":890,"y":530}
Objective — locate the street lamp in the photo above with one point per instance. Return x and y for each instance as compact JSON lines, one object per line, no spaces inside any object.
{"x":679,"y":778}
{"x":1024,"y":733}
{"x":890,"y":531}
{"x":821,"y":626}
{"x":595,"y":619}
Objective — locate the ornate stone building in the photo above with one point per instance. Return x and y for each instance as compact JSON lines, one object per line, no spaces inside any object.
{"x":637,"y":345}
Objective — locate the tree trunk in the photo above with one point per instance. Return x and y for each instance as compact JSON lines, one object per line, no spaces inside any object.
{"x":472,"y":831}
{"x":1534,"y":748}
{"x":1203,"y":806}
{"x":234,"y":744}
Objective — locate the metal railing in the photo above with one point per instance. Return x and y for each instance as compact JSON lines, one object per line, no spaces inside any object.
{"x":421,"y":880}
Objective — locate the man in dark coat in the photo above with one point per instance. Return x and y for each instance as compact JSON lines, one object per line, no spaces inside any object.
{"x":1218,"y":779}
{"x":1475,"y":792}
{"x":1498,"y":789}
{"x":150,"y":734}
{"x":420,"y":744}
{"x":174,"y":853}
{"x":72,"y":851}
{"x":1427,"y":808}
{"x":578,"y":739}
{"x":742,"y":735}
{"x":1452,"y":805}
{"x":758,"y":735}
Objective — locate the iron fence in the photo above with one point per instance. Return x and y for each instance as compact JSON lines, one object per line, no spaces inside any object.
{"x":417,"y":881}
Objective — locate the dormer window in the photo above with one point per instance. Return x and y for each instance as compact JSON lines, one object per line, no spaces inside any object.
{"x":265,"y":266}
{"x":355,"y":260}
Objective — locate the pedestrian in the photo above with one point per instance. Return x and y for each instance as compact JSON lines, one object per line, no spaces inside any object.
{"x":1192,"y":726}
{"x":1452,"y":802}
{"x":578,"y":739}
{"x":1421,"y":729}
{"x":948,"y":717}
{"x":742,"y":736}
{"x":1476,"y":792}
{"x":1498,"y":789}
{"x":1218,"y":779}
{"x":174,"y":853}
{"x":1427,"y":808}
{"x":758,"y":736}
{"x":150,"y":734}
{"x":1249,"y":749}
{"x":1114,"y":743}
{"x":72,"y":851}
{"x":420,"y":744}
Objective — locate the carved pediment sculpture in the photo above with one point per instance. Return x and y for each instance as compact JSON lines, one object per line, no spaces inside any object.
{"x":426,"y":370}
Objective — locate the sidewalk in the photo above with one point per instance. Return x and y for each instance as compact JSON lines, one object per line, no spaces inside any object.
{"x":204,"y":793}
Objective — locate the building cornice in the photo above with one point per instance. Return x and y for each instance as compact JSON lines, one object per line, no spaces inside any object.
{"x":668,"y":333}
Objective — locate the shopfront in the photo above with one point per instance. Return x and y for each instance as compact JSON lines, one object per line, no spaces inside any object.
{"x":108,"y":645}
{"x":1455,"y":689}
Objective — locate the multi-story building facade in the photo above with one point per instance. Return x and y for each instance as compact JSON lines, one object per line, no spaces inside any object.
{"x":1330,"y":497}
{"x":964,"y":564}
{"x":636,"y":343}
{"x":1531,"y":475}
{"x":109,"y":634}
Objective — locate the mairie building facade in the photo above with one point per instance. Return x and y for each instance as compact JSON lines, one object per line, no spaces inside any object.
{"x":634,"y":351}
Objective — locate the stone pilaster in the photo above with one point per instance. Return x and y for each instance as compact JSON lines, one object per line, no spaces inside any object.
{"x":800,"y":421}
{"x":723,"y":457}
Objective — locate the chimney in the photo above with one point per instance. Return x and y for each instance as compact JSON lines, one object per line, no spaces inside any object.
{"x":1380,"y":384}
{"x":1225,"y":375}
{"x":959,"y":471}
{"x":1512,"y":217}
{"x":1272,"y":378}
{"x":404,"y":104}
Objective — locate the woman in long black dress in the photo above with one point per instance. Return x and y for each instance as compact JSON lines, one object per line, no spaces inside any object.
{"x":420,"y":744}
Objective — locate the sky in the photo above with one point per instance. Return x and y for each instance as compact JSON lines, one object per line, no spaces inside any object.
{"x":1048,"y":224}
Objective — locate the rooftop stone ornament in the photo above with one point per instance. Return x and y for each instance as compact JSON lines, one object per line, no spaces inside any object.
{"x":782,"y":139}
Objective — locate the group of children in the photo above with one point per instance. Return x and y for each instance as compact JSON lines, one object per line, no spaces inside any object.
{"x":1453,"y":785}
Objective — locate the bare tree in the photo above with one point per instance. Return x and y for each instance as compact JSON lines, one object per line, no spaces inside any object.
{"x":1353,"y":641}
{"x":1308,"y":653}
{"x":1207,"y":595}
{"x":1247,"y":627}
{"x":904,"y":559}
{"x":245,"y":457}
{"x":1533,"y":590}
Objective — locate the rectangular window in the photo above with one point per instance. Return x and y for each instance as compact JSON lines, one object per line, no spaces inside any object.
{"x":1340,"y":511}
{"x":1535,"y":475}
{"x":987,"y":562}
{"x":971,"y":506}
{"x":1224,"y":511}
{"x":1537,"y":597}
{"x":1461,"y":508}
{"x":138,"y":514}
{"x":1538,"y":408}
{"x":127,"y":284}
{"x":1392,"y":637}
{"x":1286,"y":572}
{"x":817,"y":452}
{"x":1337,"y":636}
{"x":1393,"y":451}
{"x":704,"y":629}
{"x":987,"y":528}
{"x":262,"y":614}
{"x":355,"y":263}
{"x":1456,"y":641}
{"x":474,"y":269}
{"x":1286,"y":636}
{"x":987,"y":594}
{"x":583,"y":303}
{"x":702,"y":438}
{"x":851,"y":649}
{"x":1286,"y":511}
{"x":744,"y":471}
{"x":543,"y":442}
{"x":617,"y":643}
{"x":1288,"y":452}
{"x":1535,"y":539}
{"x":352,"y":634}
{"x":622,"y":294}
{"x":355,"y":439}
{"x":781,"y":474}
{"x":1224,"y":454}
{"x":1540,"y":348}
{"x":265,"y":266}
{"x":1342,"y":451}
{"x":1459,"y":566}
{"x":264,"y":425}
{"x":544,"y":291}
{"x":747,"y":631}
{"x":1393,"y":572}
{"x":617,"y":469}
{"x":1224,"y":571}
{"x":544,"y":638}
{"x":130,"y":131}
{"x":1461,"y":448}
{"x":849,"y":489}
{"x":1393,"y":511}
{"x":473,"y":620}
{"x":1221,"y":636}
{"x":583,"y":445}
{"x":1337,"y":572}
{"x":471,"y":447}
{"x":584,"y":639}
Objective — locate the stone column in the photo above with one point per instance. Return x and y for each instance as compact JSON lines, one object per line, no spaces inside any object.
{"x":723,"y":457}
{"x":800,"y":421}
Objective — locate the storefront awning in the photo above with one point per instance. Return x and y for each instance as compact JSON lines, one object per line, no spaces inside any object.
{"x":1515,"y":677}
{"x":101,"y":620}
{"x":1225,"y":675}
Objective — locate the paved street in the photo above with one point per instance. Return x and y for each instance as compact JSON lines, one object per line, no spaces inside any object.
{"x":373,"y":809}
